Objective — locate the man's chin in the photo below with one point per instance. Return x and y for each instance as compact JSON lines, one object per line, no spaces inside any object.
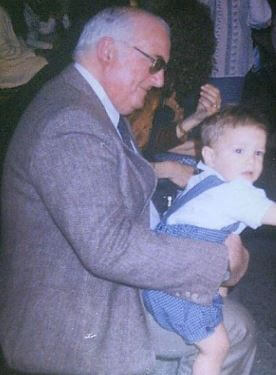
{"x":140,"y":103}
{"x":134,"y":107}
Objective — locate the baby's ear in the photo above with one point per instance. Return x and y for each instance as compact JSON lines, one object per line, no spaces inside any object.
{"x":208,"y":155}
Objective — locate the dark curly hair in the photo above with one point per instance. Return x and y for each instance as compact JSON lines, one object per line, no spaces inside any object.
{"x":193,"y":42}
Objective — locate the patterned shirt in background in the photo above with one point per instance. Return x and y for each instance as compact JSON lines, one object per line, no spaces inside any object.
{"x":233,"y":21}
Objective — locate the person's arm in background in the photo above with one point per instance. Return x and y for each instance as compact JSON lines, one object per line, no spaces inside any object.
{"x":173,"y":170}
{"x":209,"y":103}
{"x":259,"y":14}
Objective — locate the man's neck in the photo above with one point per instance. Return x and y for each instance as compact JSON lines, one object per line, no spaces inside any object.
{"x":100,"y":92}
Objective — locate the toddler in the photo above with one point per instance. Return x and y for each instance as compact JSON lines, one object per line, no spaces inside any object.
{"x":218,"y":201}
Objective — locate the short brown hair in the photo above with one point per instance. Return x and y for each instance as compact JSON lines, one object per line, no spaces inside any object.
{"x":232,"y":116}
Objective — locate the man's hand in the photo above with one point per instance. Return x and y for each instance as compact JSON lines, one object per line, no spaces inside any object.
{"x":173,"y":170}
{"x":238,"y":259}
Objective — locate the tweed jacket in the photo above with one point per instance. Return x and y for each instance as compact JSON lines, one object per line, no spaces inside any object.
{"x":77,"y":246}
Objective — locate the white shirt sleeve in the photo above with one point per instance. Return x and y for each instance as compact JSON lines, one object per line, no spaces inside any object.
{"x":246,"y":203}
{"x":228,"y":203}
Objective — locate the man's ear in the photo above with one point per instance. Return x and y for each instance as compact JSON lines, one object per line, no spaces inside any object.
{"x":106,"y":50}
{"x":208,"y":155}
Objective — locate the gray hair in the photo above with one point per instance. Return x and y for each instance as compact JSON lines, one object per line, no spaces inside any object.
{"x":114,"y":22}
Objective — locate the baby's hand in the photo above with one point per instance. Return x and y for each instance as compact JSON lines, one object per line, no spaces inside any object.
{"x":223,"y":291}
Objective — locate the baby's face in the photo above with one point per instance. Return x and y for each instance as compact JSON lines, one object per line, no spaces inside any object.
{"x":239,"y":152}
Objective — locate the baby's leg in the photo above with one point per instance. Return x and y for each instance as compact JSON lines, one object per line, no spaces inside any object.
{"x":212,"y":352}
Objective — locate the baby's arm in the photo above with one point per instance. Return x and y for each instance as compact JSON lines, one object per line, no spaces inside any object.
{"x":270,"y":215}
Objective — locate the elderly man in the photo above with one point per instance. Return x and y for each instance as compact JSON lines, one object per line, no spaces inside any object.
{"x":76,"y":230}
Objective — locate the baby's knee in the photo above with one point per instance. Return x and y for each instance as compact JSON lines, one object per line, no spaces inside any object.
{"x":239,"y":323}
{"x":216,"y":345}
{"x":223,"y":346}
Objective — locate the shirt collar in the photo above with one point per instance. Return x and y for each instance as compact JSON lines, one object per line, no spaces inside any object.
{"x":208,"y":170}
{"x":112,"y":112}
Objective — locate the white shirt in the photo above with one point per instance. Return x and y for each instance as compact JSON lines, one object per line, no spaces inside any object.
{"x":228,"y":203}
{"x":112,"y":112}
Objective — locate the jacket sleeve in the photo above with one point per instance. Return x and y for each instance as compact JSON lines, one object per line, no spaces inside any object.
{"x":95,"y":197}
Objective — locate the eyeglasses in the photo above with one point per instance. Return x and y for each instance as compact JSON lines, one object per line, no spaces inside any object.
{"x":157,"y":63}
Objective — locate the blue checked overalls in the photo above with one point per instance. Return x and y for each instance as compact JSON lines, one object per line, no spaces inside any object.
{"x":192,"y":321}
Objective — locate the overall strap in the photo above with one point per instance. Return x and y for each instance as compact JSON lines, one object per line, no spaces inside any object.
{"x":208,"y":183}
{"x":192,"y":231}
{"x":232,"y":227}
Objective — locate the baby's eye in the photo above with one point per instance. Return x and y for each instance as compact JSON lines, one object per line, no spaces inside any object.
{"x":259,"y":153}
{"x":238,"y":150}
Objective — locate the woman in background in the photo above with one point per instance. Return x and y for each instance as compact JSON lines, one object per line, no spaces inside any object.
{"x":193,"y":46}
{"x":234,"y":54}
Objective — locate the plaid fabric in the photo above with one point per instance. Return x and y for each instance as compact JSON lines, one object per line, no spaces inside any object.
{"x":173,"y":156}
{"x":192,"y":231}
{"x":191,"y":321}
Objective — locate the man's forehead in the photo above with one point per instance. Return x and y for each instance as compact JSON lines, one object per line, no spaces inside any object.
{"x":147,"y":23}
{"x":153,"y":33}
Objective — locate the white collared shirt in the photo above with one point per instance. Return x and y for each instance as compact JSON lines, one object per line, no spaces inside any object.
{"x":234,"y":201}
{"x":112,"y":112}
